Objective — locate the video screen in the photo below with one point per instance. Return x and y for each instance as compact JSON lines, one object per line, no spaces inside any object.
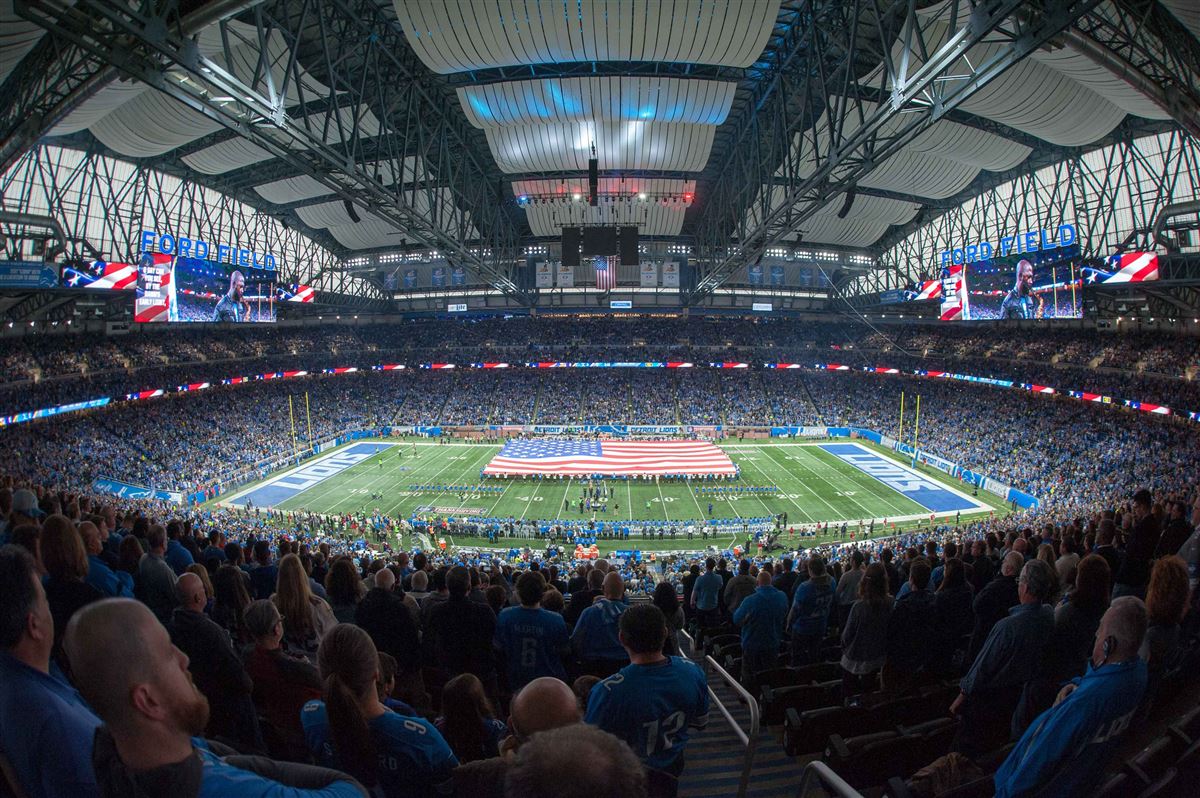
{"x":183,"y":289}
{"x":1033,"y":286}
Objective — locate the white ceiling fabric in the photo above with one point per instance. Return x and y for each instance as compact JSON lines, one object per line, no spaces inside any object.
{"x":225,"y":156}
{"x":461,"y":35}
{"x":703,"y":102}
{"x":616,"y":186}
{"x":619,"y":145}
{"x":651,"y":218}
{"x":17,"y":38}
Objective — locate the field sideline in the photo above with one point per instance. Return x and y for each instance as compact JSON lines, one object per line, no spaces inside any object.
{"x":802,"y":479}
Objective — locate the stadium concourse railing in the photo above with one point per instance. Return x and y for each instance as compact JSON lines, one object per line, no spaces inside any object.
{"x":748,"y":736}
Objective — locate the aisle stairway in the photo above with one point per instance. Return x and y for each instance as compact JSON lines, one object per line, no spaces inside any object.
{"x":716,"y":756}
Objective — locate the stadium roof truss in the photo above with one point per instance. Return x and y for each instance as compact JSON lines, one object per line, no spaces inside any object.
{"x":874,"y":116}
{"x":374,"y":126}
{"x":315,"y":98}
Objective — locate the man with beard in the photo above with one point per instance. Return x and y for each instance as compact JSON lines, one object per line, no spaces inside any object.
{"x":233,"y":306}
{"x":1020,"y":303}
{"x":140,"y":686}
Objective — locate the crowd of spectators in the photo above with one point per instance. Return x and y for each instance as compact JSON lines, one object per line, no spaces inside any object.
{"x":55,"y":368}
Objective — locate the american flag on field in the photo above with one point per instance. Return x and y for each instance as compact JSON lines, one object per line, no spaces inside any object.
{"x":610,"y":458}
{"x":606,"y":274}
{"x":102,"y":275}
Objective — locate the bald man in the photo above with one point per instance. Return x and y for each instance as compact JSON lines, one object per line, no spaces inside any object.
{"x":596,"y":639}
{"x":1058,"y":753}
{"x":761,"y":616}
{"x":139,"y":685}
{"x":215,"y":666}
{"x":542,"y":705}
{"x":993,"y":602}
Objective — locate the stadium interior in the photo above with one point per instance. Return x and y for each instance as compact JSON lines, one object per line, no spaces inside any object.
{"x":630,"y":398}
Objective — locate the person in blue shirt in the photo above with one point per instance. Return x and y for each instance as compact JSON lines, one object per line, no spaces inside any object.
{"x":706,"y":595}
{"x":1063,"y":752}
{"x":46,"y":728}
{"x":596,"y":638}
{"x":138,"y":683}
{"x":808,"y":618}
{"x":177,"y":555}
{"x":653,"y":702}
{"x":530,"y":638}
{"x":396,"y":755}
{"x":761,"y":616}
{"x":99,"y":575}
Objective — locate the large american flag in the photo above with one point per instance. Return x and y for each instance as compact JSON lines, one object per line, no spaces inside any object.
{"x":101,"y":274}
{"x":609,"y":458}
{"x":606,"y":274}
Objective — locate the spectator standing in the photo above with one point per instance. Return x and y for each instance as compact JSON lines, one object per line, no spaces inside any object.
{"x":306,"y":618}
{"x":215,"y":667}
{"x":461,"y":632}
{"x":653,"y":702}
{"x":129,"y":671}
{"x":994,"y":601}
{"x":761,"y":616}
{"x":1060,"y":752}
{"x":531,"y":639}
{"x":1010,"y":657}
{"x":230,"y":600}
{"x":283,"y":683}
{"x":46,"y":728}
{"x":913,"y":617}
{"x":66,"y":566}
{"x":739,"y":587}
{"x":864,"y":638}
{"x":808,"y":618}
{"x":596,"y":639}
{"x":155,"y":577}
{"x":667,"y":600}
{"x":344,"y":589}
{"x":706,"y":595}
{"x":99,"y":575}
{"x":847,"y":587}
{"x":468,"y":721}
{"x":1134,"y":573}
{"x":401,"y":757}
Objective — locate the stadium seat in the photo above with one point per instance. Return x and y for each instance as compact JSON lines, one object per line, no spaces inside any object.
{"x":869,"y":760}
{"x":1155,"y":759}
{"x":776,"y":702}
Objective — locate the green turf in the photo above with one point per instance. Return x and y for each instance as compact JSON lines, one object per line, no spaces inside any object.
{"x":811,"y":486}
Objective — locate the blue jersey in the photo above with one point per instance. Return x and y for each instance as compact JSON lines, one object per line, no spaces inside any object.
{"x":413,"y":755}
{"x":596,"y":631}
{"x":531,"y":640}
{"x":651,"y":707}
{"x":707,"y":590}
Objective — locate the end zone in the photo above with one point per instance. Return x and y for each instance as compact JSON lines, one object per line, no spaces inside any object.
{"x":282,"y":487}
{"x":933,"y":495}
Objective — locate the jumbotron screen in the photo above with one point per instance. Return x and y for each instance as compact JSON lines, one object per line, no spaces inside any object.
{"x":179,"y":289}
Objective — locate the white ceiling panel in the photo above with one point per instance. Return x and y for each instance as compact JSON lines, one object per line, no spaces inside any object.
{"x":619,"y":145}
{"x":461,"y":35}
{"x":610,"y":99}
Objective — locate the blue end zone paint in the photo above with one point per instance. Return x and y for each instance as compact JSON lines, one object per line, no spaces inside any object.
{"x":298,"y":480}
{"x":928,"y":493}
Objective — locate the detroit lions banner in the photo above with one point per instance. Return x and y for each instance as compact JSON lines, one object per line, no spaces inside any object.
{"x":566,"y":276}
{"x":649,"y":274}
{"x":543,"y":274}
{"x":670,"y":274}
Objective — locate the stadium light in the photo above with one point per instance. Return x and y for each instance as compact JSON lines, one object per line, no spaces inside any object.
{"x":642,"y":195}
{"x":577,"y":197}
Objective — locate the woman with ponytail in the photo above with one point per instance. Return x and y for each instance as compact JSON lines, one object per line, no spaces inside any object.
{"x":395,"y":755}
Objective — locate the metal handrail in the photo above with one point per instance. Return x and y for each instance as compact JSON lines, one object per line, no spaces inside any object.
{"x":831,"y":782}
{"x":748,"y":737}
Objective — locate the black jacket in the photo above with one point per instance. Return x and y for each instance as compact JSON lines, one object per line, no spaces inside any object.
{"x":219,"y":674}
{"x":993,"y":603}
{"x":383,"y":615}
{"x":909,"y":626}
{"x":460,"y":636}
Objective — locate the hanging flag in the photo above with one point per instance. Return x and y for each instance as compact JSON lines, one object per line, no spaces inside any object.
{"x":606,"y":274}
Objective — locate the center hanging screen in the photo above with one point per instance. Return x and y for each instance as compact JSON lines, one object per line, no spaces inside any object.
{"x":599,"y":241}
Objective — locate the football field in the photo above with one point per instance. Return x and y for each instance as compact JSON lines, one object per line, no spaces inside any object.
{"x":812,"y":482}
